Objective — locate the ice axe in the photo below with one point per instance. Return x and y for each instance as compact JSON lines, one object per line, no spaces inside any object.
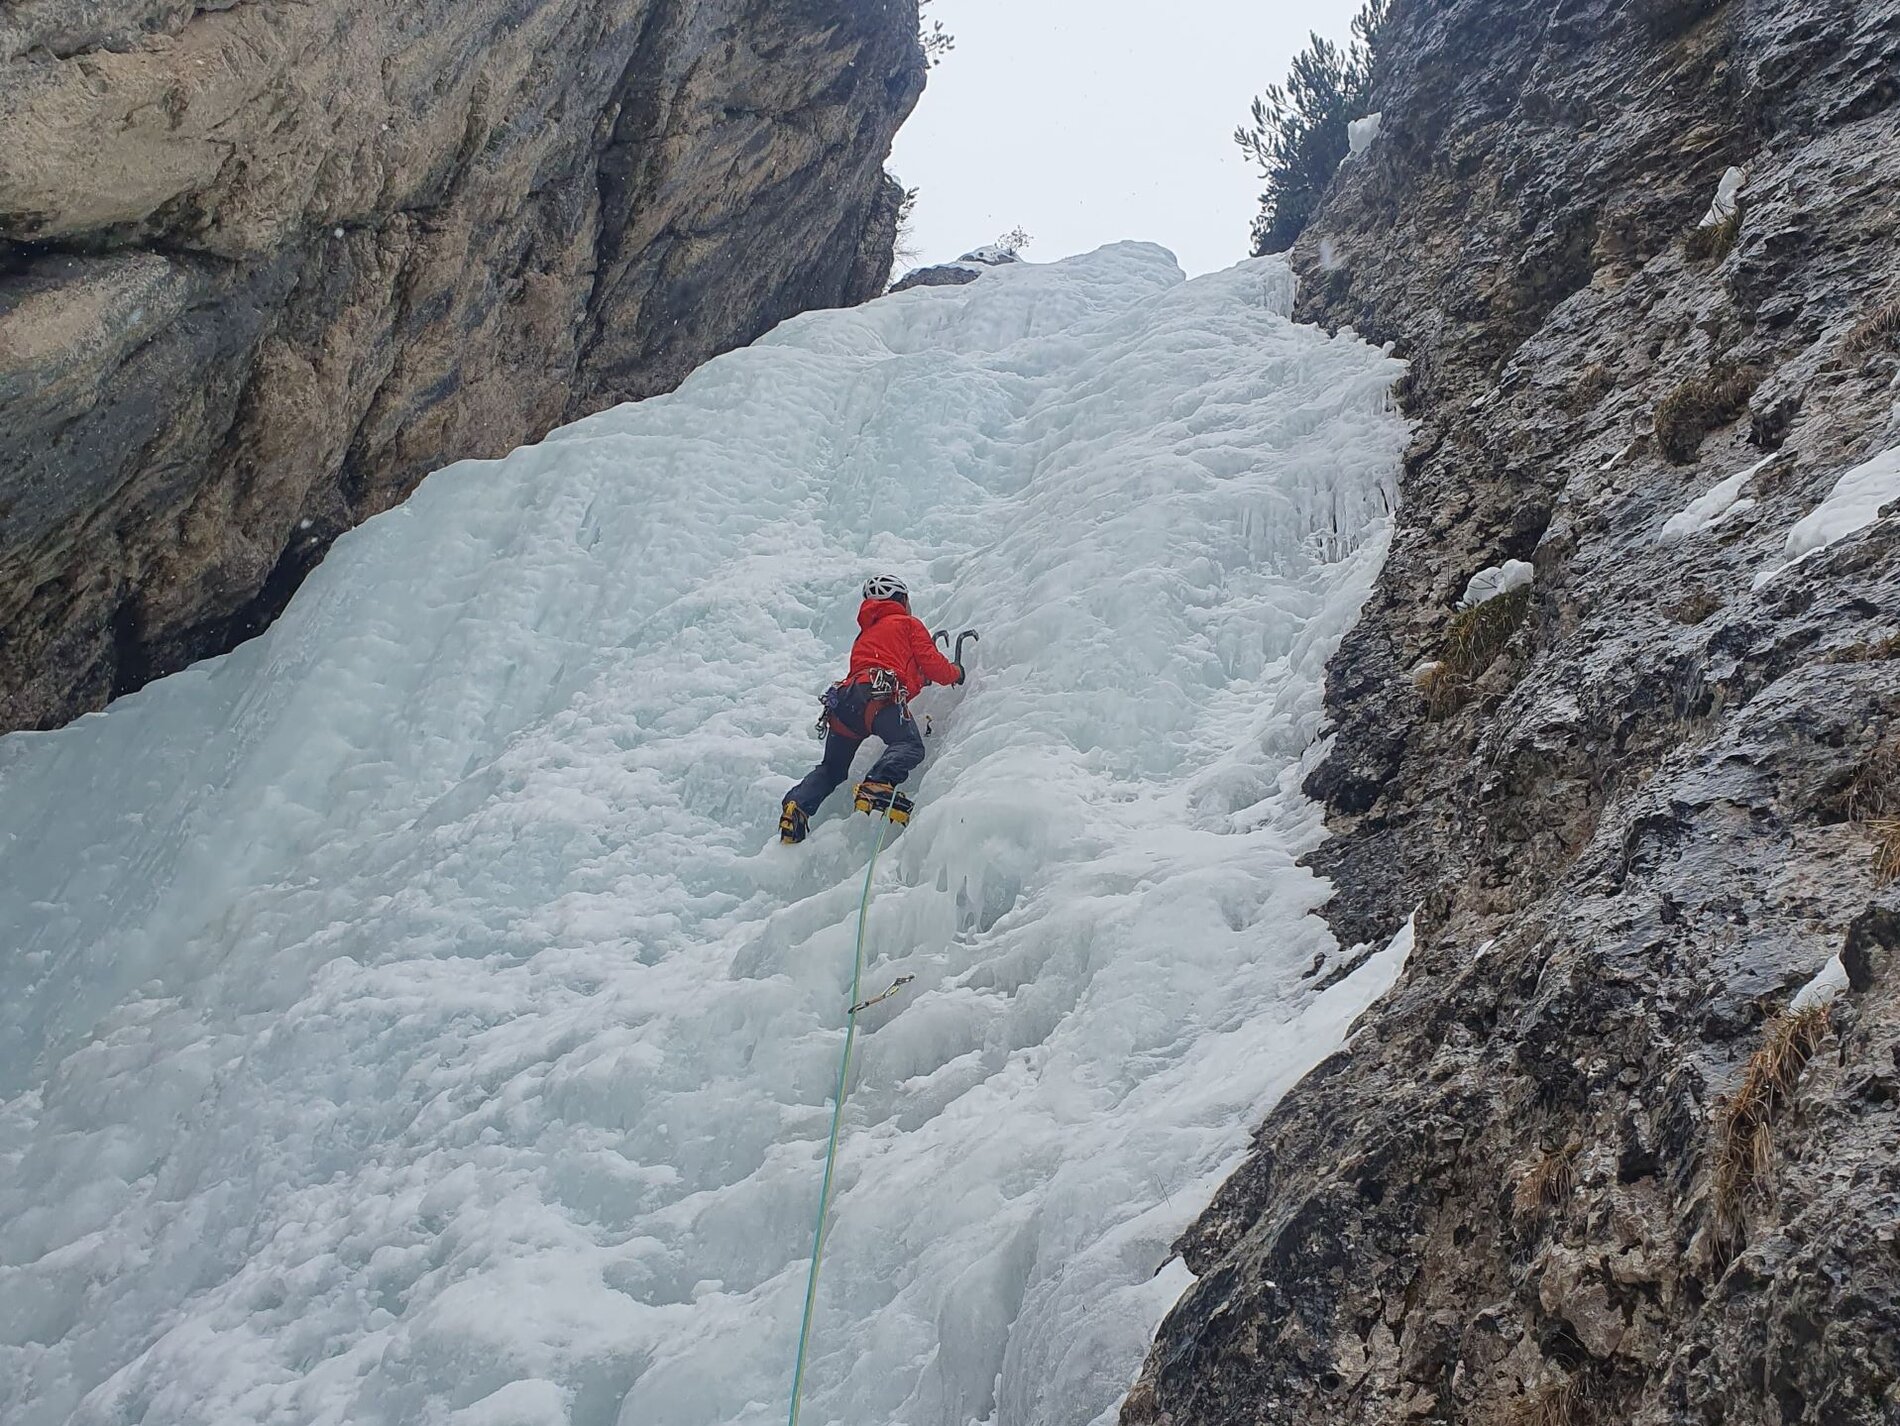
{"x":942,"y":636}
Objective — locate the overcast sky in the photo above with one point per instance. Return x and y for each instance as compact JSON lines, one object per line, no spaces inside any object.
{"x":1089,"y":121}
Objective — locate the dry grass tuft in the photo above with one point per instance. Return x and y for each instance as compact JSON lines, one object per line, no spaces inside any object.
{"x":1441,"y":689}
{"x":1700,"y":405}
{"x":1887,"y":648}
{"x":1670,"y":19}
{"x":1696,"y":606}
{"x":1558,"y":1403}
{"x":1715,"y":241}
{"x":1596,"y":383}
{"x":1478,"y":634}
{"x":1473,"y":639}
{"x":1872,"y":801}
{"x":1886,"y":835}
{"x":1879,"y":330}
{"x":1549,"y":1182}
{"x":1744,"y":1127}
{"x":1874,"y":792}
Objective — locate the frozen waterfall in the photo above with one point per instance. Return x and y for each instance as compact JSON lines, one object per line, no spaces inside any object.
{"x":410,"y":1017}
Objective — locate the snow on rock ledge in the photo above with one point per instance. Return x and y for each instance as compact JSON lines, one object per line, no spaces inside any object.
{"x":1728,"y":197}
{"x":1826,"y":987}
{"x":1723,"y":502}
{"x":967,"y":268}
{"x":1488,"y":584}
{"x":1852,"y":505}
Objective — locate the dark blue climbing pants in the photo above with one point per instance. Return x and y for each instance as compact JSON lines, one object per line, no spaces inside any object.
{"x":903,"y":750}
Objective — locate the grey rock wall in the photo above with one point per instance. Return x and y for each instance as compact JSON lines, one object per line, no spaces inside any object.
{"x":1532,"y":1188}
{"x":264,"y":264}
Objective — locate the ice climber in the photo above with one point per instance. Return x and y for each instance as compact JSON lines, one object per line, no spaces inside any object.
{"x":892,"y":660}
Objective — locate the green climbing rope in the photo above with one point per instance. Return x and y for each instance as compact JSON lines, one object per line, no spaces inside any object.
{"x":837,"y":1122}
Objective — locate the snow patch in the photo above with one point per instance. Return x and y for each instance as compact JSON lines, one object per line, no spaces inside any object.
{"x":1723,"y":502}
{"x":1614,"y":461}
{"x":1826,"y":987}
{"x":1488,"y":584}
{"x":1397,"y":951}
{"x":527,"y":1402}
{"x":1852,"y":505}
{"x":1728,"y":194}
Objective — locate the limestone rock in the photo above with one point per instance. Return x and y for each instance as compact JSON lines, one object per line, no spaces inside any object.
{"x":943,"y":274}
{"x":967,"y":268}
{"x":265,"y":265}
{"x":1661,"y":806}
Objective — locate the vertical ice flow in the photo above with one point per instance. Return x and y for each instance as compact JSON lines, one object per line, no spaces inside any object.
{"x":409,"y":1017}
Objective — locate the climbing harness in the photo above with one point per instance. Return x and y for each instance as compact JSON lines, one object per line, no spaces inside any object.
{"x":886,"y":687}
{"x":837,"y":1115}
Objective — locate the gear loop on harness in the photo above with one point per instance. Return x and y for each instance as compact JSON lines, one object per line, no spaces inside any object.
{"x":885,"y":688}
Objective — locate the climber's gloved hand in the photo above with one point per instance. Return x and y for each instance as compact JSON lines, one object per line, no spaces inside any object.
{"x":961,"y":675}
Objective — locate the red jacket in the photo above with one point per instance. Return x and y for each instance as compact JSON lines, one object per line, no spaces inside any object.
{"x":895,"y":639}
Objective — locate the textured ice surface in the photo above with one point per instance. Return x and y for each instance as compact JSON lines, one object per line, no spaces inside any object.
{"x":410,"y":1017}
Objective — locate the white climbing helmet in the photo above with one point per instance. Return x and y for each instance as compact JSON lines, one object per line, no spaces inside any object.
{"x":886,"y":586}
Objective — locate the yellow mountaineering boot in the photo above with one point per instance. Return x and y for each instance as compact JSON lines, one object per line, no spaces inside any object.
{"x":882,"y":797}
{"x":792,"y":823}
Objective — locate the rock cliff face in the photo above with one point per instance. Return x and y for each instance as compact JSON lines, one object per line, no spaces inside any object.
{"x":1584,"y":1165}
{"x":263,"y":265}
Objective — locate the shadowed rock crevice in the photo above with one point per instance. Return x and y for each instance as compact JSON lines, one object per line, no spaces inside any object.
{"x":264,"y":267}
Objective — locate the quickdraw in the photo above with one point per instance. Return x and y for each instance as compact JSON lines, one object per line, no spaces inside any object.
{"x":896,"y":985}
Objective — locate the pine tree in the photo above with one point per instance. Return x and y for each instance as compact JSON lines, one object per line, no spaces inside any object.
{"x":1298,"y":135}
{"x":936,"y":40}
